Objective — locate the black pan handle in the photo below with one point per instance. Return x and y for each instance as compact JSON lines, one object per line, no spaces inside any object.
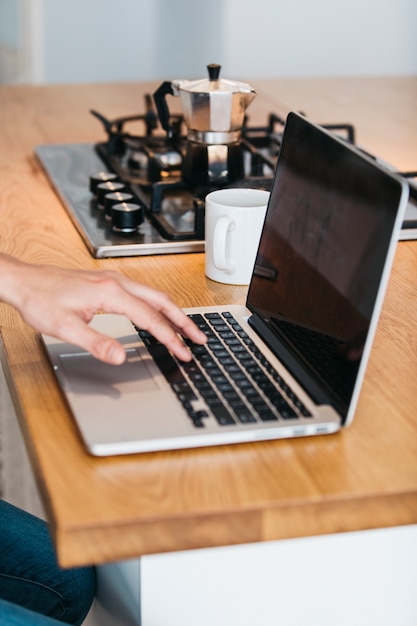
{"x":161,"y":105}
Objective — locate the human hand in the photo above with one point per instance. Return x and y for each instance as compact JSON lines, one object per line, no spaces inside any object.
{"x":60,"y":302}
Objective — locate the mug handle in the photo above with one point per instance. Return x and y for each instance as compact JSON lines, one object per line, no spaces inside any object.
{"x":221,"y":228}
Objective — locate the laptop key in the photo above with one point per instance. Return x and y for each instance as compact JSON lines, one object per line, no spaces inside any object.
{"x":267,"y":415}
{"x":244,"y":415}
{"x":222,"y":415}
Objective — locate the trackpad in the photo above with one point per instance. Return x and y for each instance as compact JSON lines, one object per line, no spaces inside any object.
{"x":83,"y":374}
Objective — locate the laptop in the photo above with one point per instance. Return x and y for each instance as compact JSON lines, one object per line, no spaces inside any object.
{"x":288,"y":364}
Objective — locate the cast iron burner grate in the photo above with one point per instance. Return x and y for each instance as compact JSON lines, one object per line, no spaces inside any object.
{"x":151,"y":164}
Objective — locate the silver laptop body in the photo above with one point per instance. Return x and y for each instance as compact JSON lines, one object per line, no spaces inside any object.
{"x":321,"y":271}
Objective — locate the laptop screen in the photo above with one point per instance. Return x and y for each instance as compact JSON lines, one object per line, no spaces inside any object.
{"x":322,"y":253}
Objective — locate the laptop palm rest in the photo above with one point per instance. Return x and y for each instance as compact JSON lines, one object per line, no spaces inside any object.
{"x":85,"y":375}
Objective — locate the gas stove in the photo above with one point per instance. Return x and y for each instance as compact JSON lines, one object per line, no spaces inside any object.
{"x":137,"y":194}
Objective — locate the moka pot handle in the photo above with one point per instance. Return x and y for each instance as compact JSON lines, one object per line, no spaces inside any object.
{"x":162,"y":107}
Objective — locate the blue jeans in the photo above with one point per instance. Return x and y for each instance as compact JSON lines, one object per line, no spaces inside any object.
{"x":31,"y":578}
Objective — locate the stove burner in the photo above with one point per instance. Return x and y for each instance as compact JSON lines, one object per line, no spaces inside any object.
{"x":170,"y":176}
{"x":151,"y":170}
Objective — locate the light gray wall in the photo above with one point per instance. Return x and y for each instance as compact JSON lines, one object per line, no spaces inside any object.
{"x":188,"y":35}
{"x":89,"y":40}
{"x":97,"y":40}
{"x":118,"y":40}
{"x":9,"y":40}
{"x":9,"y":27}
{"x":321,"y":37}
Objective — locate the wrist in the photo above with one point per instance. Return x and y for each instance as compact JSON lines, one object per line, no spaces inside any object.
{"x":12,"y":272}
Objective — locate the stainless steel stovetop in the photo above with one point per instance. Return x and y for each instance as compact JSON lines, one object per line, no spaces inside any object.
{"x":68,"y":167}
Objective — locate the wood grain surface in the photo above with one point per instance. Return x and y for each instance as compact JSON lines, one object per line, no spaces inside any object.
{"x":114,"y":508}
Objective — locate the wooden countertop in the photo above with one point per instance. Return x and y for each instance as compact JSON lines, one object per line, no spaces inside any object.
{"x":115,"y":508}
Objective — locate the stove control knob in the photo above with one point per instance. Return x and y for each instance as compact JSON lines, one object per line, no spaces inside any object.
{"x":115,"y":198}
{"x":104,"y":188}
{"x":126,"y":217}
{"x":101,"y":177}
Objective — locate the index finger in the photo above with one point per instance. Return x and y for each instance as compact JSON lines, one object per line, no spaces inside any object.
{"x":166,"y":329}
{"x":162,"y":302}
{"x":153,"y":311}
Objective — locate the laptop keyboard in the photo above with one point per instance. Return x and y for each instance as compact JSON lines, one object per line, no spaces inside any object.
{"x":228,"y":378}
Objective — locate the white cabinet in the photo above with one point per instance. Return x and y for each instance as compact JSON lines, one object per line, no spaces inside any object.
{"x":363,"y":578}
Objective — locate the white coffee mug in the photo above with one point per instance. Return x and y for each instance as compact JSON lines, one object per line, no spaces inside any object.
{"x":233,"y":224}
